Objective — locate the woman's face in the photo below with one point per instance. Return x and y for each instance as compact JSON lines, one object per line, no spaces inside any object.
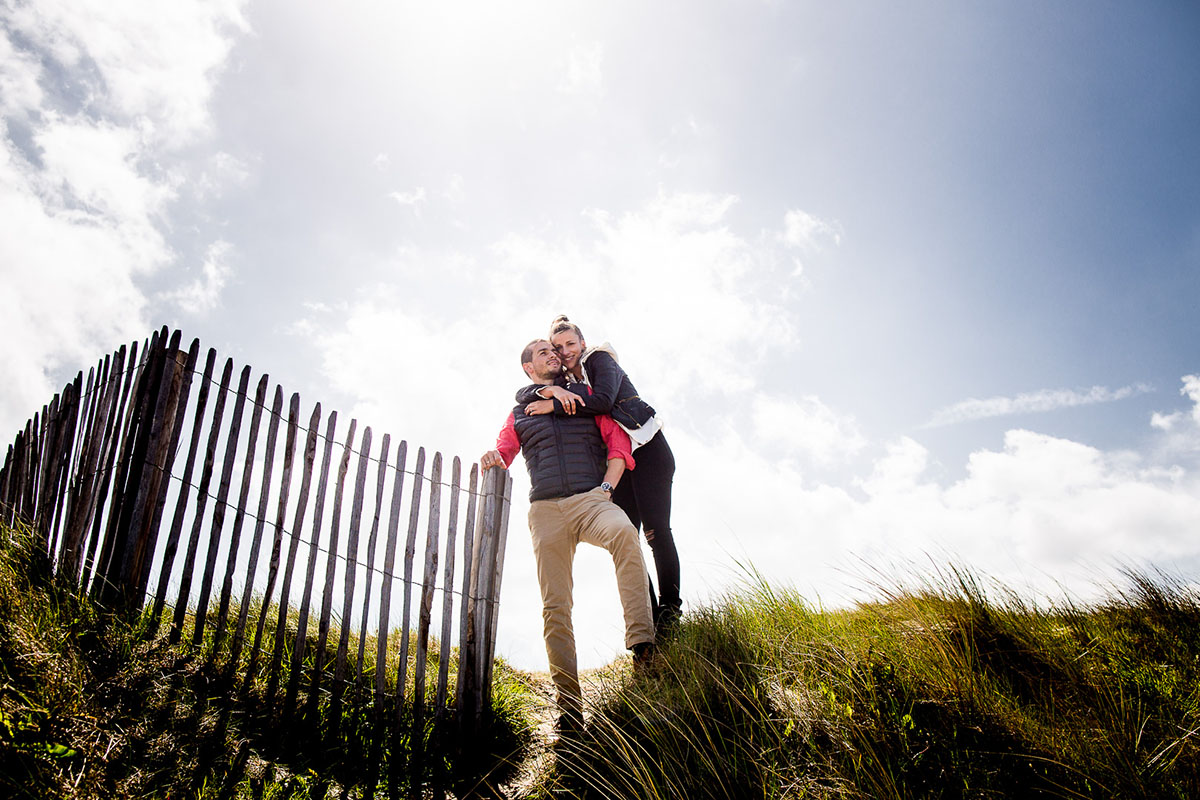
{"x":569,"y":347}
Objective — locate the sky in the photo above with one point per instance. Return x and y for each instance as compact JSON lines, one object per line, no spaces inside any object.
{"x":910,"y":285}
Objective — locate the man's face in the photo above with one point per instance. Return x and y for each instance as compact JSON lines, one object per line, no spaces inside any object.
{"x":569,"y":347}
{"x":546,"y":364}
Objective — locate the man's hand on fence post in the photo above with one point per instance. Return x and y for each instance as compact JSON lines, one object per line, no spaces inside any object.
{"x":491,"y":458}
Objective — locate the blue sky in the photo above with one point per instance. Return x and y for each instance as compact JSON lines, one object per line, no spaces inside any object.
{"x":907,"y":283}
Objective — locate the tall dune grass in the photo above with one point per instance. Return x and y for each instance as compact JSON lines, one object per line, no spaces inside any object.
{"x":943,"y":691}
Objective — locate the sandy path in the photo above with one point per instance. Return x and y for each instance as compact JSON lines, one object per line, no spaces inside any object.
{"x":540,"y":758}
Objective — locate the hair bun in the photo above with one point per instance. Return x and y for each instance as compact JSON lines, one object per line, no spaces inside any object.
{"x":562,"y":323}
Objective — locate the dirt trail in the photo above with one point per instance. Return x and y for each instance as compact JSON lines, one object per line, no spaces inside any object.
{"x":541,"y":755}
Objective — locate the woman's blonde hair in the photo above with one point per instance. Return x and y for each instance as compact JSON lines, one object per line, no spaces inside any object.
{"x":561,"y":323}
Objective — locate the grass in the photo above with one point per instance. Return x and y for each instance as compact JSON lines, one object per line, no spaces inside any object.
{"x":948,"y":689}
{"x":92,"y":705}
{"x":944,"y":691}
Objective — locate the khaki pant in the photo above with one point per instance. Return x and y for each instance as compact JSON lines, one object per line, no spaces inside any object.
{"x":558,"y":526}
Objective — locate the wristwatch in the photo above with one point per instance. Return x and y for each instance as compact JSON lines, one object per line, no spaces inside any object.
{"x":607,"y":487}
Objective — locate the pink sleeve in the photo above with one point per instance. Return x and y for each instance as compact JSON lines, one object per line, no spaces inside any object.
{"x":616,"y":439}
{"x":507,"y":442}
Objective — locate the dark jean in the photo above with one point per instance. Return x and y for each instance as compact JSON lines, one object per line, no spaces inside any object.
{"x":645,"y":495}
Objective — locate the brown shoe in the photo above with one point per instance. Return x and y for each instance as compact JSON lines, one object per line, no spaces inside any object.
{"x":569,"y":726}
{"x":643,"y":655}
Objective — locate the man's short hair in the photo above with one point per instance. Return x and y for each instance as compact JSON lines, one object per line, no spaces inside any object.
{"x":527,"y":353}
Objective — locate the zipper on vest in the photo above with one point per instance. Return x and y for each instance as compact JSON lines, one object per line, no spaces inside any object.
{"x":562,"y":458}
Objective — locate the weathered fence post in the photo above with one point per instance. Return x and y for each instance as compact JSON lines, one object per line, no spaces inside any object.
{"x":310,"y":454}
{"x":235,"y":648}
{"x":306,"y":598}
{"x":239,"y":517}
{"x":100,"y":550}
{"x":185,"y":491}
{"x":6,"y":474}
{"x":164,"y":441}
{"x":189,"y":559}
{"x":319,"y":656}
{"x":473,"y":669}
{"x":402,"y":668}
{"x":372,"y":541}
{"x":31,"y":459}
{"x":134,"y":480}
{"x":111,"y":438}
{"x":504,"y":502}
{"x":428,"y":579}
{"x":348,"y":582}
{"x":439,"y":702}
{"x":64,"y":441}
{"x":87,"y":468}
{"x":289,"y":456}
{"x":88,"y":402}
{"x":218,"y":521}
{"x":464,"y":628}
{"x":384,"y":628}
{"x":41,"y":492}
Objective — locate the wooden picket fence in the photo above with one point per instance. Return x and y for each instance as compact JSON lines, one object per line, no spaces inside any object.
{"x":96,"y":474}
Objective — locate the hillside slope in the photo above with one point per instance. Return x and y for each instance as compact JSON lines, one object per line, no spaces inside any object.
{"x":945,"y":690}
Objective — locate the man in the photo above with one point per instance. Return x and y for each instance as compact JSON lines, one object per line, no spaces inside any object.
{"x":574,"y":463}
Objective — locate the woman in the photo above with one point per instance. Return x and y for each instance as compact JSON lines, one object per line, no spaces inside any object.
{"x":645,"y":494}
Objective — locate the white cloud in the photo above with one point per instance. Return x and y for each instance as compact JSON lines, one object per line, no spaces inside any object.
{"x":683,"y":291}
{"x":1031,"y":403}
{"x":805,"y":231}
{"x":899,"y":470}
{"x":686,"y":144}
{"x":1061,"y":505}
{"x":1191,"y":389}
{"x":697,"y":305}
{"x":1042,"y":515}
{"x":19,"y":89}
{"x":1165,"y":422}
{"x":1183,"y":425}
{"x":93,"y":166}
{"x":154,"y":64}
{"x":809,"y":235}
{"x":1034,"y":465}
{"x":414,"y":199}
{"x":584,"y":73}
{"x":455,"y":189}
{"x":204,"y":294}
{"x":222,"y":171}
{"x":806,"y":428}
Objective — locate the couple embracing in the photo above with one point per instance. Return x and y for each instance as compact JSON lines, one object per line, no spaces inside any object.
{"x":580,"y":424}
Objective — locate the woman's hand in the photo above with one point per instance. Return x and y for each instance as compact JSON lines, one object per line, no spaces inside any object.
{"x":567,"y":399}
{"x":539,"y":407}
